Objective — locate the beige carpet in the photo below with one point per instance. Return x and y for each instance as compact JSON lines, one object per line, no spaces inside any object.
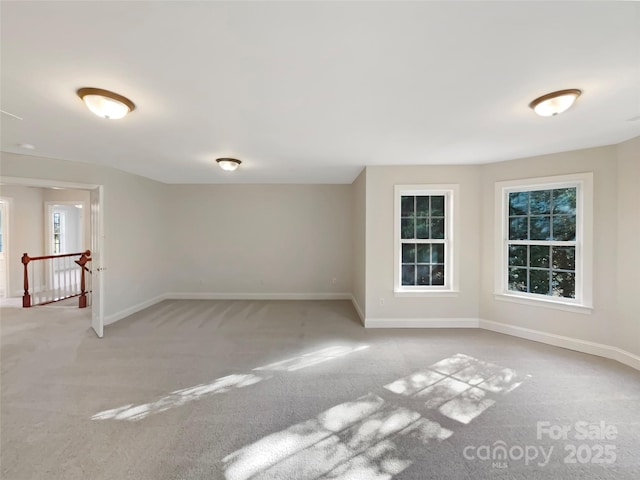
{"x":300,"y":390}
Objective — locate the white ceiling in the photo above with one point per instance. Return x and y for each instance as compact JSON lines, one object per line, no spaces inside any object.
{"x":312,"y":92}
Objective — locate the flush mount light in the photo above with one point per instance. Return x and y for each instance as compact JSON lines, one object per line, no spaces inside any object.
{"x":106,"y":104}
{"x":228,"y":164}
{"x":555,"y":102}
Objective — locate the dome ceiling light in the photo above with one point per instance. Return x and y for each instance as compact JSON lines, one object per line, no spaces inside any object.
{"x":554,"y":103}
{"x":106,"y":104}
{"x":228,"y":164}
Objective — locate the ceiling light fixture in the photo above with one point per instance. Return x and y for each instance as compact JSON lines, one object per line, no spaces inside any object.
{"x":555,"y":102}
{"x":106,"y":104}
{"x":228,"y":164}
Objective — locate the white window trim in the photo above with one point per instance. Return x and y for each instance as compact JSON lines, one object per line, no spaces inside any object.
{"x":452,"y":227}
{"x":583,"y":303}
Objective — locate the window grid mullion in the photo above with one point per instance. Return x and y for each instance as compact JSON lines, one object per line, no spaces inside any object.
{"x":550,"y":244}
{"x":426,"y":217}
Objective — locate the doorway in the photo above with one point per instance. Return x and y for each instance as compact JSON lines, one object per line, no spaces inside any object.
{"x":63,"y":215}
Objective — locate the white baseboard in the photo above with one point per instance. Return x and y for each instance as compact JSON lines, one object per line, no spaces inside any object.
{"x":421,"y":323}
{"x":358,"y":309}
{"x":627,"y":358}
{"x":256,"y":296}
{"x":570,"y":343}
{"x":114,"y":317}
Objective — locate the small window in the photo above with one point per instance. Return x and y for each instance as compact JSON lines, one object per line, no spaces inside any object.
{"x":58,"y":231}
{"x":424,"y":239}
{"x":543,"y":239}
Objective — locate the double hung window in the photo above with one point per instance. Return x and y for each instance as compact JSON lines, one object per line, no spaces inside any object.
{"x":423,"y":238}
{"x":545,"y":246}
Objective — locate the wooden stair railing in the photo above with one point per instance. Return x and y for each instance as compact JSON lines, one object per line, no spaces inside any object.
{"x":57,"y":274}
{"x":84,"y":258}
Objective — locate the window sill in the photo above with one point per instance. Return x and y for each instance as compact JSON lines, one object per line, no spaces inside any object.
{"x":426,"y":293}
{"x":535,"y":302}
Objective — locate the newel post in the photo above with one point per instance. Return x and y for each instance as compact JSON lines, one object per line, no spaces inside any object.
{"x":84,"y":258}
{"x":26,"y":298}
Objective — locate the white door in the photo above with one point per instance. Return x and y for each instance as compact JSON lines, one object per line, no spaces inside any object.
{"x":97,"y":255}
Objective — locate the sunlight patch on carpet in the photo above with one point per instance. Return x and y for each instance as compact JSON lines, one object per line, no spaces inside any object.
{"x":183,"y":396}
{"x":350,"y":439}
{"x":313,"y":358}
{"x":458,"y":386}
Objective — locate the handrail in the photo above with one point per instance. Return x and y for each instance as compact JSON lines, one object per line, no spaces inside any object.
{"x":84,"y":258}
{"x":47,"y":257}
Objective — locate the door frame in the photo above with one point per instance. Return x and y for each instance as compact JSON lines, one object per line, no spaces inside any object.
{"x":47,"y":183}
{"x":6,"y":244}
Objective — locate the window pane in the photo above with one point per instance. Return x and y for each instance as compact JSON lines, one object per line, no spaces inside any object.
{"x":437,"y":253}
{"x":564,"y":201}
{"x":408,"y":275}
{"x":518,"y":255}
{"x":422,"y":222}
{"x":542,"y":215}
{"x":518,"y":279}
{"x":408,"y":253}
{"x":539,"y":281}
{"x":541,"y":228}
{"x":437,"y":206}
{"x":422,"y":228}
{"x":407,"y":207}
{"x":564,"y":284}
{"x":564,"y":258}
{"x":423,"y":252}
{"x":423,"y":275}
{"x":564,"y":227}
{"x":407,"y":228}
{"x":422,"y":206}
{"x":437,"y":275}
{"x":540,"y":202}
{"x":437,"y":228}
{"x":518,"y":228}
{"x":519,"y":203}
{"x":539,"y":256}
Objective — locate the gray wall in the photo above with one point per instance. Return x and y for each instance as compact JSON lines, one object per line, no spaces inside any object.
{"x":380,"y":243}
{"x":267,"y":239}
{"x":627,"y":328}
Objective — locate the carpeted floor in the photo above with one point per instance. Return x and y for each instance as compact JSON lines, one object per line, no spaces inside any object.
{"x":244,"y":390}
